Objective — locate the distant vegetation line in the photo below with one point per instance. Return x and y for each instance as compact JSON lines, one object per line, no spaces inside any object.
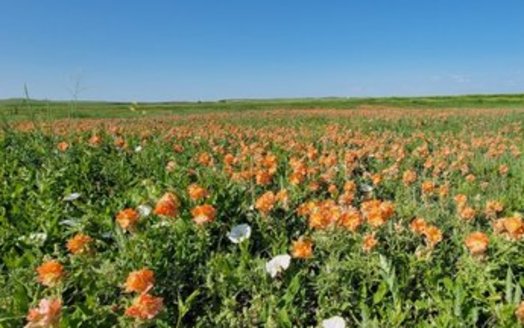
{"x":24,"y":109}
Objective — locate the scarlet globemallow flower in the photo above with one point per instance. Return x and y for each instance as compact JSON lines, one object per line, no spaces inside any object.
{"x":376,"y":179}
{"x":433,"y":236}
{"x":493,"y":208}
{"x":62,"y":146}
{"x":477,"y":243}
{"x":145,"y":307}
{"x":461,"y":200}
{"x":140,"y":281}
{"x":229,"y":159}
{"x":205,"y":159}
{"x":263,"y":178}
{"x":265,"y":202}
{"x":127,"y":219}
{"x":46,"y":315}
{"x":196,"y":192}
{"x":443,"y":191}
{"x":302,"y":248}
{"x":120,"y":143}
{"x":409,"y":177}
{"x":350,"y":219}
{"x":520,"y":312}
{"x":470,"y":178}
{"x":369,"y":242}
{"x":79,"y":243}
{"x":167,"y":205}
{"x":503,"y":169}
{"x":418,"y":225}
{"x":512,"y":227}
{"x":282,"y":197}
{"x":467,"y":213}
{"x":427,"y":187}
{"x":50,"y":273}
{"x":95,"y":140}
{"x":203,"y":214}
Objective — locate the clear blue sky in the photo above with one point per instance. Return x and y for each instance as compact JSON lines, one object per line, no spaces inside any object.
{"x":196,"y":49}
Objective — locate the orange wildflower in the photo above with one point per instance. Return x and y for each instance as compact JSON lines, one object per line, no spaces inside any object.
{"x":346,"y":198}
{"x":205,"y":159}
{"x":229,"y":159}
{"x":140,"y":281}
{"x":376,"y":179}
{"x":350,"y":187}
{"x":520,"y":312}
{"x":512,"y":227}
{"x":282,"y":197}
{"x":460,"y":200}
{"x":409,"y":177}
{"x":387,"y":209}
{"x":263,"y":178}
{"x":196,"y":192}
{"x":270,"y":162}
{"x":127,"y":219}
{"x":323,"y":214}
{"x":377,"y":213}
{"x":418,"y":225}
{"x":503,"y":169}
{"x":145,"y":307}
{"x":493,"y":208}
{"x":369,"y":242}
{"x":332,"y":189}
{"x":443,"y":191}
{"x":428,"y":187}
{"x":167,"y":205}
{"x":296,"y":178}
{"x":62,"y":146}
{"x":47,"y":314}
{"x":314,"y":186}
{"x":95,"y":140}
{"x":120,"y":143}
{"x":203,"y":214}
{"x":467,"y":213}
{"x":266,"y":202}
{"x":433,"y":236}
{"x":50,"y":273}
{"x":306,"y":208}
{"x":302,"y":248}
{"x":351,"y":219}
{"x":79,"y":243}
{"x":477,"y":243}
{"x":178,"y":148}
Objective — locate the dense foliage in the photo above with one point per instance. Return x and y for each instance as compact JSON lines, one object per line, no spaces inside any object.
{"x":401,"y":218}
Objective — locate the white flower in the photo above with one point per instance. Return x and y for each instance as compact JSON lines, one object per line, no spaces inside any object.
{"x":239,"y":233}
{"x":366,"y":188}
{"x":144,"y":210}
{"x":138,"y":149}
{"x":72,"y":222}
{"x":161,"y":224}
{"x":334,"y":322}
{"x":36,"y":238}
{"x":72,"y":197}
{"x":278,"y":264}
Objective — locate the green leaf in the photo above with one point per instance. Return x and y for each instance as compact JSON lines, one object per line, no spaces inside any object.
{"x":380,"y":293}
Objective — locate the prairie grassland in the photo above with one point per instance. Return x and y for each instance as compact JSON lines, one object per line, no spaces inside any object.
{"x":372,"y":217}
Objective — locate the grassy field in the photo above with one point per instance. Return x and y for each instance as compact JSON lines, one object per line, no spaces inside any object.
{"x":397,"y":212}
{"x":23,"y":109}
